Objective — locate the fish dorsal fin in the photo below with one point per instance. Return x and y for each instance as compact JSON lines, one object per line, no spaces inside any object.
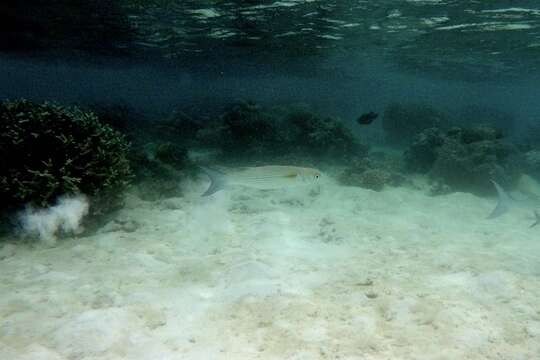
{"x":503,"y":203}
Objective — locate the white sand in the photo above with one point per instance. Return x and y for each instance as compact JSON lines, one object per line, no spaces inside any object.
{"x":346,"y":274}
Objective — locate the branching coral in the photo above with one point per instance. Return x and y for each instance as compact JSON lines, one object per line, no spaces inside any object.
{"x":49,"y":150}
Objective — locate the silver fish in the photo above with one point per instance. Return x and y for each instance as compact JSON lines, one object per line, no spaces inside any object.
{"x":261,"y":177}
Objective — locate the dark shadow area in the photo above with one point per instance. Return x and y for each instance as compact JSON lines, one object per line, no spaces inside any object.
{"x":64,"y":26}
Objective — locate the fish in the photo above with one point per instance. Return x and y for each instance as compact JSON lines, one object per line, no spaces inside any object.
{"x":503,"y":202}
{"x":261,"y":177}
{"x":367,"y":118}
{"x":537,"y":219}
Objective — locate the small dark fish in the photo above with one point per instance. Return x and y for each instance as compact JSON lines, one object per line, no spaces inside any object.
{"x":367,"y":118}
{"x":537,"y":217}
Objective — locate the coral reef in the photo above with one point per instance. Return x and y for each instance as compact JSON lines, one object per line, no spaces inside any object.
{"x":532,"y":137}
{"x":159,"y":169}
{"x":172,"y":155}
{"x":247,"y":130}
{"x":122,"y":118}
{"x":483,"y":115}
{"x":180,"y":127}
{"x":248,"y":127}
{"x":532,"y":163}
{"x":373,"y":174}
{"x":320,"y":136}
{"x":422,"y":153}
{"x":50,"y":150}
{"x":158,"y":153}
{"x":401,"y":122}
{"x":464,"y":159}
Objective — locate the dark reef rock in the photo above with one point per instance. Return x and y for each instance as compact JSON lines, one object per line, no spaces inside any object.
{"x":120,"y":117}
{"x":464,"y":159}
{"x":439,"y":188}
{"x":482,"y":115}
{"x":247,"y":130}
{"x":50,"y":150}
{"x":422,"y":153}
{"x":372,"y":174}
{"x":248,"y":127}
{"x":172,"y":155}
{"x":532,"y":137}
{"x":479,"y":133}
{"x":532,"y":163}
{"x":159,"y":170}
{"x":401,"y":122}
{"x":180,"y":127}
{"x":320,"y":136}
{"x":159,"y":189}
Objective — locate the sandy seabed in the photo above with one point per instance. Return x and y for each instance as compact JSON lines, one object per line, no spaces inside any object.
{"x":340,"y":273}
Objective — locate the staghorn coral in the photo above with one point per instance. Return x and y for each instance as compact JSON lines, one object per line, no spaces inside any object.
{"x":52,"y":150}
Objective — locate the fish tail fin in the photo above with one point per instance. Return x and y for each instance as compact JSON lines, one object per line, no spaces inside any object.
{"x":503,"y":203}
{"x":537,"y":219}
{"x":217,"y":180}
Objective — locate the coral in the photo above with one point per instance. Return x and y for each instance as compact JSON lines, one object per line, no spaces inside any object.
{"x":180,"y":127}
{"x":159,"y":169}
{"x":172,"y":155}
{"x":477,"y":115}
{"x":532,"y":163}
{"x":479,"y":133}
{"x":422,"y":153}
{"x":374,"y":179}
{"x":372,"y":174}
{"x":464,"y":159}
{"x":438,"y":188}
{"x":121,"y":117}
{"x":532,"y":139}
{"x":248,"y":130}
{"x":321,"y":136}
{"x":158,"y":188}
{"x":401,"y":122}
{"x":248,"y":127}
{"x":50,"y":150}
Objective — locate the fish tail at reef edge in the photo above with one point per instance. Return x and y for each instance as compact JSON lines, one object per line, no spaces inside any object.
{"x":503,"y":202}
{"x":537,"y":219}
{"x":217,"y":180}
